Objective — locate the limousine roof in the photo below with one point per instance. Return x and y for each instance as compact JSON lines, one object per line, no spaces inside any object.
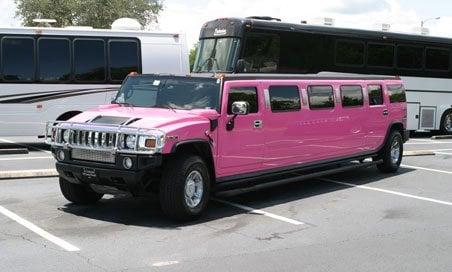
{"x":324,"y":76}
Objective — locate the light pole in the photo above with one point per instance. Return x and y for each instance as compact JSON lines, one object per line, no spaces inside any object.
{"x":430,"y":19}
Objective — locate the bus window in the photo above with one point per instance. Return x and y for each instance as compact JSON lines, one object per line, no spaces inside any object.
{"x":396,"y":93}
{"x":349,"y":53}
{"x":321,"y":97}
{"x":375,"y":95}
{"x":352,"y":96}
{"x":54,"y":61}
{"x":380,"y":55}
{"x":89,"y":60}
{"x":284,"y":98}
{"x":18,"y":59}
{"x":123,"y":57}
{"x":262,"y":52}
{"x":409,"y":57}
{"x":437,"y":59}
{"x":247,"y":94}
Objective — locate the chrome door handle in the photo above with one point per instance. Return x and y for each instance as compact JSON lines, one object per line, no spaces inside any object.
{"x":258,"y":124}
{"x":385,"y":112}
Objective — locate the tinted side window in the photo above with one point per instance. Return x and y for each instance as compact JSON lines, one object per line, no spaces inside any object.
{"x":375,"y":95}
{"x":437,"y":59}
{"x":321,"y":97}
{"x":247,"y":94}
{"x":89,"y":60}
{"x":352,"y":96}
{"x":54,"y":59}
{"x":18,"y":59}
{"x":350,"y":53}
{"x":284,"y":98}
{"x":380,"y":55}
{"x":409,"y":57}
{"x":123,"y":59}
{"x":397,"y":93}
{"x":262,"y":52}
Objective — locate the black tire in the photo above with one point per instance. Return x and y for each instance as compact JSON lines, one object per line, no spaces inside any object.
{"x":389,"y":164}
{"x":173,"y":186}
{"x":78,"y":194}
{"x":443,"y":128}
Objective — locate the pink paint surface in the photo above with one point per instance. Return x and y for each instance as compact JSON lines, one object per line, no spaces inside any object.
{"x":285,"y":139}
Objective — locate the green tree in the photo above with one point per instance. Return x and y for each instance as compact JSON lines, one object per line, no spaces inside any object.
{"x":192,"y":56}
{"x":95,"y":13}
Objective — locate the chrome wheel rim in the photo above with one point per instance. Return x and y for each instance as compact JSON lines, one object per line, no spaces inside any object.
{"x":395,"y":152}
{"x":448,"y":122}
{"x":194,"y":189}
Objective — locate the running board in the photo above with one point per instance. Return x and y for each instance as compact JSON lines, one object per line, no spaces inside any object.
{"x":293,"y":177}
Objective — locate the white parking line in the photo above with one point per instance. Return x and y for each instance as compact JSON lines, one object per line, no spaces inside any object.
{"x":388,"y":192}
{"x":161,"y":264}
{"x":428,"y":143}
{"x":44,"y":234}
{"x":27,"y":158}
{"x":27,"y":146}
{"x":427,"y":169}
{"x":259,"y":212}
{"x":443,"y":153}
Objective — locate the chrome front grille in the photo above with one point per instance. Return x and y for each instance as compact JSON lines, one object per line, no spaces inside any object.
{"x":102,"y":140}
{"x":93,"y":155}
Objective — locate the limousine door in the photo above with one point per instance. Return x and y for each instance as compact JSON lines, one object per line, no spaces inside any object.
{"x":241,"y":142}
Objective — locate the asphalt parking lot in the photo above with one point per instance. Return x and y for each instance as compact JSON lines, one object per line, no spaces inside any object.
{"x":354,"y":221}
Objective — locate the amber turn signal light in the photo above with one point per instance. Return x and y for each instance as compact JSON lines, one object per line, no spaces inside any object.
{"x":150,"y":143}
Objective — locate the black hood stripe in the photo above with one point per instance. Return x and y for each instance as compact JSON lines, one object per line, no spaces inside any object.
{"x":54,"y":95}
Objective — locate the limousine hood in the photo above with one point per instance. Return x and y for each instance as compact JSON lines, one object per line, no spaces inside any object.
{"x":167,"y":120}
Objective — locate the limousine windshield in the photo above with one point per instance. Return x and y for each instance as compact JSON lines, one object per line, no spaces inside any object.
{"x":182,"y":93}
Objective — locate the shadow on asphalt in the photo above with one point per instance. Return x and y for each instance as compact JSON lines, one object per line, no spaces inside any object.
{"x":147,"y":213}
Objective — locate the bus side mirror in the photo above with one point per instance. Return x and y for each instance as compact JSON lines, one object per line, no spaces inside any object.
{"x":240,"y":66}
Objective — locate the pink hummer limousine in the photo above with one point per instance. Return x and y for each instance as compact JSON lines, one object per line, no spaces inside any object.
{"x":183,"y":138}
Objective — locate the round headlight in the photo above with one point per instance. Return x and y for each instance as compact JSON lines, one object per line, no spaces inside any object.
{"x":60,"y":155}
{"x":130,"y":141}
{"x":127,"y":163}
{"x":66,"y":135}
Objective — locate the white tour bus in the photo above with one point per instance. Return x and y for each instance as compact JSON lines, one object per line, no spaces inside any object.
{"x":56,"y":73}
{"x":267,"y":45}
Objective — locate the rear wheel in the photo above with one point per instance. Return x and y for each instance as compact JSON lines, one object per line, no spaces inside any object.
{"x":78,"y":194}
{"x":446,"y":123}
{"x":185,"y":188}
{"x":392,"y":153}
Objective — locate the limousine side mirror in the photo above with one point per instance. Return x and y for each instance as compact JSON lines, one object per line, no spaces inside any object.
{"x":240,"y":108}
{"x":237,"y":108}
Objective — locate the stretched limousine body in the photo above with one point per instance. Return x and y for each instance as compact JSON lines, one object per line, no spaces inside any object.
{"x":183,"y":137}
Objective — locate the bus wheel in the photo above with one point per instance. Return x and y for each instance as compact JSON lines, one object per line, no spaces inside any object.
{"x":446,"y":123}
{"x":392,"y":153}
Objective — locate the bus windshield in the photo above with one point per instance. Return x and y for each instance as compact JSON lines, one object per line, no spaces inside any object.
{"x":182,"y":93}
{"x":216,"y":55}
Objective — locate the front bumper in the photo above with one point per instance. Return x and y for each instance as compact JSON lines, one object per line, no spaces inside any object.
{"x":137,"y":181}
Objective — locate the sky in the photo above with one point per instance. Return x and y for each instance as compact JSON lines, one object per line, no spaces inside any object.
{"x":188,"y":16}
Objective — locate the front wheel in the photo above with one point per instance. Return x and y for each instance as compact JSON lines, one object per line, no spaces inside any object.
{"x":185,"y":188}
{"x":78,"y":194}
{"x":446,"y":123}
{"x":392,"y":153}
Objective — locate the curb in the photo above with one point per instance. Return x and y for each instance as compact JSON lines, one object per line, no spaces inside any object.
{"x":21,"y":174}
{"x":14,"y":151}
{"x":442,"y":137}
{"x":418,"y":153}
